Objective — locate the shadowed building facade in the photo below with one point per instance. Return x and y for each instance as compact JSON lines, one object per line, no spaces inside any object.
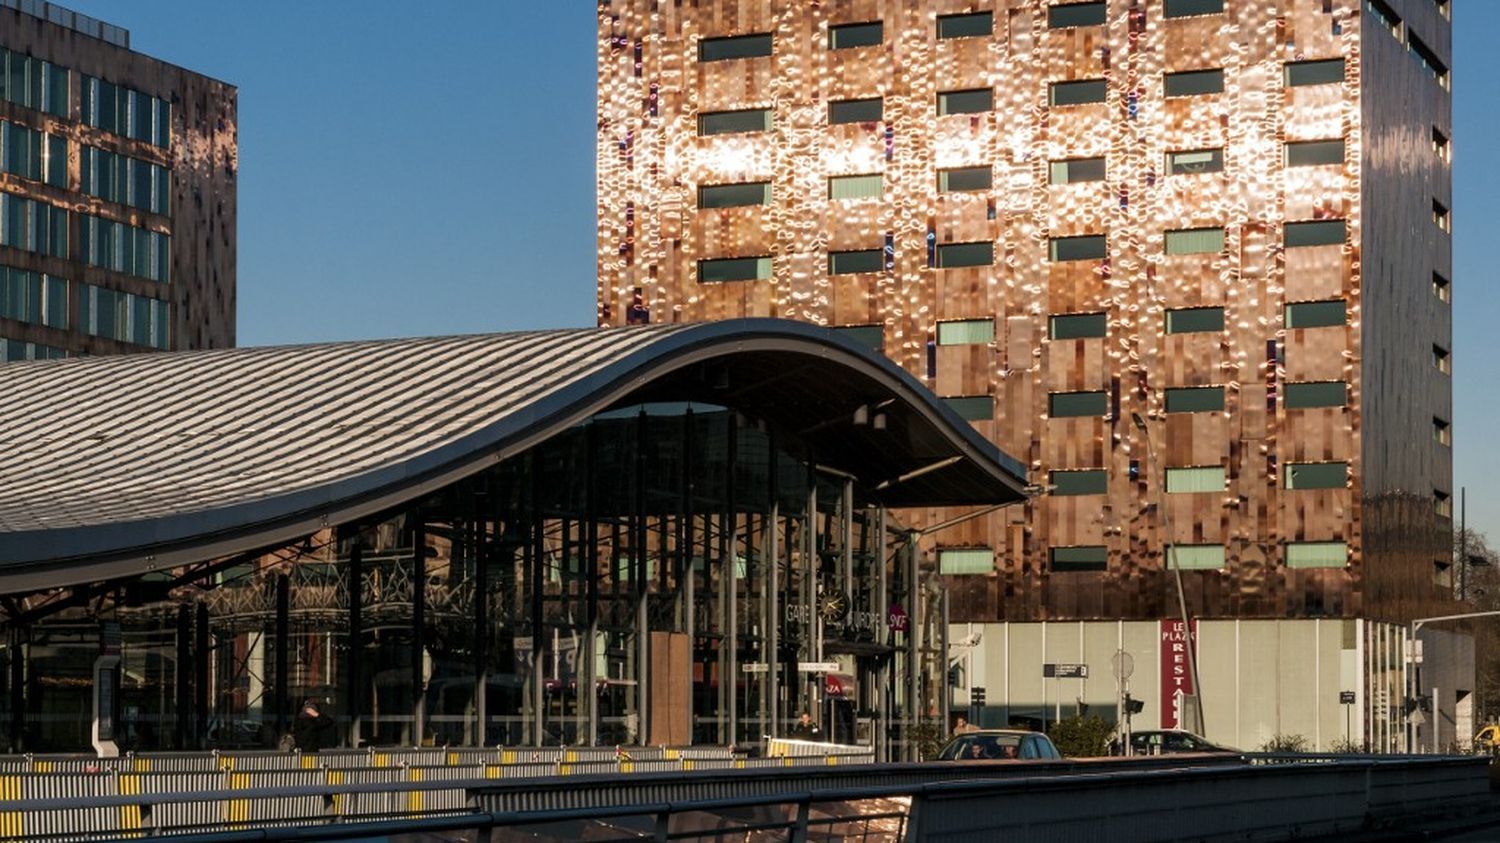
{"x":117,"y":193}
{"x":1227,"y":217}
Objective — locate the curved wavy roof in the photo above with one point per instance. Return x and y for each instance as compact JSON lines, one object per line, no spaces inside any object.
{"x":111,"y":466}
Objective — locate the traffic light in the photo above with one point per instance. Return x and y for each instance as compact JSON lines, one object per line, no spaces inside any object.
{"x":1133,"y":705}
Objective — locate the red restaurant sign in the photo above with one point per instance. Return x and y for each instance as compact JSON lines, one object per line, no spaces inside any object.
{"x":1176,"y":671}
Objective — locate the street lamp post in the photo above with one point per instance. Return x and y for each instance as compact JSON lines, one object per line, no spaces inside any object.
{"x":1412,"y":689}
{"x":1169,"y":553}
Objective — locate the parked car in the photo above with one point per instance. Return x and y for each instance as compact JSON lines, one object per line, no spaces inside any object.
{"x":999,"y":745}
{"x":1168,"y":741}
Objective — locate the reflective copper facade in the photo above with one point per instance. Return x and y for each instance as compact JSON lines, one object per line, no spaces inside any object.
{"x":652,"y":160}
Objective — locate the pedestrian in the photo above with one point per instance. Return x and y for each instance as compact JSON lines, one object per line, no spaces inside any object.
{"x":961,"y":726}
{"x":806,"y":729}
{"x":313,"y":730}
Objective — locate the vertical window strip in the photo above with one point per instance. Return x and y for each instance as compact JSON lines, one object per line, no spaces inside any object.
{"x":125,"y":248}
{"x":33,"y":83}
{"x":33,"y":226}
{"x":123,"y":111}
{"x":124,"y":180}
{"x":124,"y":317}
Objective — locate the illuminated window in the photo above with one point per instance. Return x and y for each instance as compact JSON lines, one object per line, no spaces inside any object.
{"x":1193,"y":161}
{"x":734,"y":195}
{"x":856,"y":111}
{"x":1195,"y":399}
{"x":1317,"y":475}
{"x":954,"y":255}
{"x":1194,"y":241}
{"x":1079,"y":558}
{"x":1442,"y":360}
{"x":1442,"y":431}
{"x":1441,"y":288}
{"x":1440,"y":216}
{"x":1071,"y":170}
{"x":866,"y":186}
{"x":964,"y":179}
{"x":1077,"y":93}
{"x":972,"y":407}
{"x":1073,"y":326}
{"x":972,"y":101}
{"x":1195,"y":479}
{"x":856,"y":261}
{"x":966,"y":332}
{"x":957,"y":561}
{"x":1321,"y":72}
{"x":1312,"y":394}
{"x":1440,"y":145}
{"x":1091,"y":481}
{"x":965,"y":26}
{"x":1429,"y":60}
{"x":1193,"y":83}
{"x":1313,"y":233}
{"x":1188,"y":8}
{"x":715,"y":270}
{"x":1089,"y":247}
{"x":852,"y":35}
{"x":1195,"y":557}
{"x":734,"y":122}
{"x":1192,"y":320}
{"x":1075,"y":14}
{"x":1314,"y":314}
{"x":734,"y":47}
{"x":1442,"y":503}
{"x":1388,"y":20}
{"x":1314,"y":153}
{"x":1074,"y":404}
{"x":1317,"y":554}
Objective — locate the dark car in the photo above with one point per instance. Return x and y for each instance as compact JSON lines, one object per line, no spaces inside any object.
{"x":1168,"y":741}
{"x":999,"y":745}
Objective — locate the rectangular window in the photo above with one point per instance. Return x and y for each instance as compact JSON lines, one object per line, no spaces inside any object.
{"x":1442,"y":7}
{"x":1193,"y":161}
{"x":117,"y":109}
{"x":1081,"y":92}
{"x":1206,"y":478}
{"x":1314,"y":314}
{"x":1066,"y":560}
{"x":1195,"y":241}
{"x":734,"y":122}
{"x":953,"y":255}
{"x":1313,"y":233}
{"x":1092,"y":481}
{"x":1311,"y":394}
{"x":1314,"y":153}
{"x":1429,"y":60}
{"x":125,"y":248}
{"x":1442,"y":503}
{"x":1321,"y":72}
{"x":964,"y":179}
{"x":856,"y":111}
{"x":1191,"y":83}
{"x":1075,"y":14}
{"x":957,"y":561}
{"x":715,"y":270}
{"x":1441,"y":288}
{"x":1317,"y":475}
{"x":33,"y":297}
{"x":1442,"y":431}
{"x":1195,"y":399}
{"x":1071,"y":170}
{"x":1074,"y":326}
{"x":1089,"y":247}
{"x":1073,"y":404}
{"x":735,"y":47}
{"x":966,"y":332}
{"x":855,"y":261}
{"x":122,"y":316}
{"x":1193,"y":320}
{"x":1442,"y":360}
{"x":972,"y":407}
{"x":866,"y":186}
{"x":33,"y":83}
{"x":1388,"y":20}
{"x":869,"y":336}
{"x":1189,"y":8}
{"x":965,"y":26}
{"x":1440,"y":145}
{"x":734,"y":195}
{"x":972,"y":101}
{"x":33,"y":226}
{"x":1440,"y":217}
{"x":1317,"y":554}
{"x":1195,"y":557}
{"x":850,"y":35}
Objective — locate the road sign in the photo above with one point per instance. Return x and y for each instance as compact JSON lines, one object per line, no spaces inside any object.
{"x":1065,"y":671}
{"x":817,"y":667}
{"x":1346,"y":697}
{"x":1122,"y":664}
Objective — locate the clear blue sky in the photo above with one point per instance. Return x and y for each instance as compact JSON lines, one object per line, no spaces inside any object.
{"x":423,"y":168}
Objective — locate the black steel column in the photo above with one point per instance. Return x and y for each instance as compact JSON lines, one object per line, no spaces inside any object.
{"x":202,"y":683}
{"x":591,"y":570}
{"x":353,"y":648}
{"x":729,"y":580}
{"x":534,"y":558}
{"x":418,"y":629}
{"x":638,"y":566}
{"x":482,"y":550}
{"x":283,"y":632}
{"x":184,"y":685}
{"x":17,"y":688}
{"x":772,"y":649}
